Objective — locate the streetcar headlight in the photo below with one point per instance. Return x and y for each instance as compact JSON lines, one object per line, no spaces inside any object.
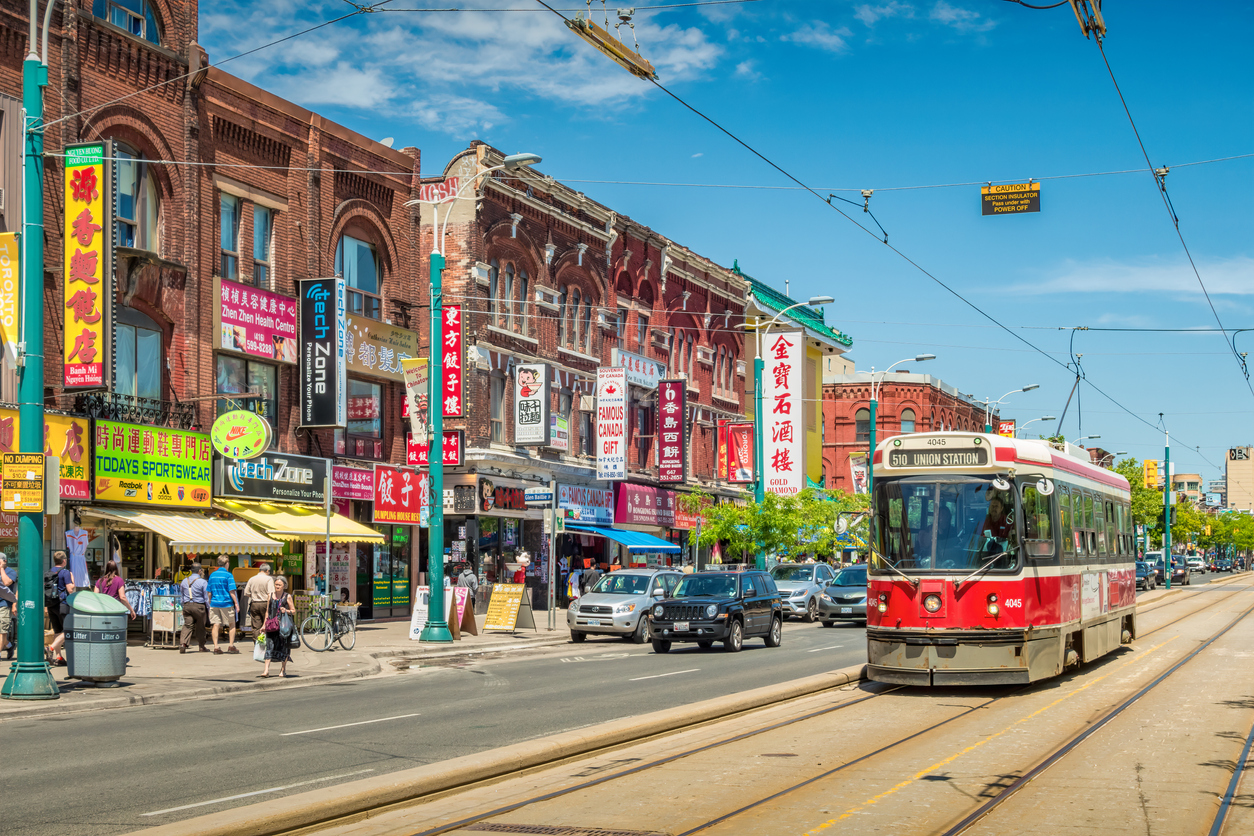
{"x":883,"y":605}
{"x":932,"y":603}
{"x":993,"y":609}
{"x":711,"y":610}
{"x":657,"y":611}
{"x":883,"y":608}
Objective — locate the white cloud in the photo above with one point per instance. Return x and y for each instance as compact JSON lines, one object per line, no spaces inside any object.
{"x":964,"y":20}
{"x":342,"y":84}
{"x":871,"y":14}
{"x":698,"y":154}
{"x":1223,"y":277}
{"x":822,"y":36}
{"x":745,"y":69}
{"x":455,"y":115}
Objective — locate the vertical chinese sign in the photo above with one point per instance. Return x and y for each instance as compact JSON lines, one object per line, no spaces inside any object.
{"x":672,"y":465}
{"x":611,"y":423}
{"x":783,"y":428}
{"x":531,"y":404}
{"x":453,"y":378}
{"x":88,"y":265}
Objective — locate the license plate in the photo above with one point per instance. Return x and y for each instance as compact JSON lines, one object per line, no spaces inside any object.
{"x":593,"y":622}
{"x":681,"y":626}
{"x":846,"y":610}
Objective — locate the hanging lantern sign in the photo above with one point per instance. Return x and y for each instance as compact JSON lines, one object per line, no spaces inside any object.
{"x":240,"y":434}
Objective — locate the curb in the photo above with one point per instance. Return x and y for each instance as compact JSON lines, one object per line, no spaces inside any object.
{"x":310,"y":809}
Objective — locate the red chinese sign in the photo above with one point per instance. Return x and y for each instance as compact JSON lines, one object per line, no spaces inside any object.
{"x":397,"y":496}
{"x":452,"y":383}
{"x":88,"y":222}
{"x":417,"y":453}
{"x":672,"y":449}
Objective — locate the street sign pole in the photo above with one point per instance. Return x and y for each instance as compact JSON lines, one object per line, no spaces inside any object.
{"x":1167,"y":512}
{"x":437,"y":618}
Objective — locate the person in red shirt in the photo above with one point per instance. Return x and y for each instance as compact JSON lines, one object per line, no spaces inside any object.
{"x":997,"y":523}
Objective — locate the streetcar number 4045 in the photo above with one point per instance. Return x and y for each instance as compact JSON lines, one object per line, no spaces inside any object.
{"x":1013,"y":602}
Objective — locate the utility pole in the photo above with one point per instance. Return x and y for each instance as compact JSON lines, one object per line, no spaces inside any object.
{"x":30,"y":678}
{"x":1167,"y":509}
{"x":436,"y":629}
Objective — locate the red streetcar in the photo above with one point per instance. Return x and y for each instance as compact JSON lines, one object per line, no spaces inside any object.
{"x":996,"y":561}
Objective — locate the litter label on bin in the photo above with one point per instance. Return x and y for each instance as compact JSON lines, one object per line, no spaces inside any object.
{"x":22,"y":482}
{"x":95,"y":636}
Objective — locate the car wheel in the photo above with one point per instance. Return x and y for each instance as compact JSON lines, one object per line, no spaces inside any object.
{"x":661,"y":646}
{"x":577,"y":637}
{"x":735,"y":637}
{"x":812,"y":611}
{"x":642,"y":631}
{"x":829,"y":623}
{"x":705,"y":644}
{"x":776,"y":634}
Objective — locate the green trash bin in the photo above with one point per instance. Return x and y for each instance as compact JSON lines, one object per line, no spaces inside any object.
{"x":95,"y":638}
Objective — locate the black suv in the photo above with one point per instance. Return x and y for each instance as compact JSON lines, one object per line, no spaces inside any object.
{"x":719,"y":606}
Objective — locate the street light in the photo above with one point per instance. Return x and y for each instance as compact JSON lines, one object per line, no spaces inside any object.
{"x":870,"y":459}
{"x":1087,"y":438}
{"x":988,"y":428}
{"x":436,"y":629}
{"x":1111,"y":456}
{"x":759,"y":492}
{"x":1033,"y":421}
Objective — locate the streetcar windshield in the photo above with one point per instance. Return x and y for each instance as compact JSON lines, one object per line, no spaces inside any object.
{"x":952,"y":525}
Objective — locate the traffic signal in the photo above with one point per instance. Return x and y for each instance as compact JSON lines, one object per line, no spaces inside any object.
{"x":1151,"y":474}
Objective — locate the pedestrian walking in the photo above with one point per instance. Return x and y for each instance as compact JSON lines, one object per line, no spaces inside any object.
{"x":278,"y":645}
{"x":112,"y":585}
{"x":257,"y":593}
{"x":58,"y":587}
{"x":590,"y":577}
{"x":8,"y":602}
{"x":223,"y":604}
{"x":195,"y":592}
{"x":469,"y":581}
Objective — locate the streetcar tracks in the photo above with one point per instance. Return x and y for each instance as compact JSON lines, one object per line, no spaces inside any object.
{"x":1238,"y":771}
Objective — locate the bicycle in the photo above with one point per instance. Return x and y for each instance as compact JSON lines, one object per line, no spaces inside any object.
{"x":325,"y":626}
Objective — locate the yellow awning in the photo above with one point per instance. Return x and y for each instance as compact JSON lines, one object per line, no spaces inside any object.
{"x":293,"y":522}
{"x":191,"y":533}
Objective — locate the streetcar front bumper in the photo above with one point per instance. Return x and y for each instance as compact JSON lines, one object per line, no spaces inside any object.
{"x":977,"y":657}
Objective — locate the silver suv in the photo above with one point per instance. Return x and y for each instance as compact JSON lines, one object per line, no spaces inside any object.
{"x":619,"y":604}
{"x":800,"y":585}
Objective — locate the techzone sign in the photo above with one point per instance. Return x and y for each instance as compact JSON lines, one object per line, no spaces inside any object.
{"x":611,"y":423}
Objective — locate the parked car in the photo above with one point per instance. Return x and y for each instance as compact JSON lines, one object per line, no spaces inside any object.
{"x":845,"y":598}
{"x":800,"y":585}
{"x":618,"y":605}
{"x":1223,"y":564}
{"x":1196,"y":564}
{"x":719,"y":606}
{"x":1146,"y":575}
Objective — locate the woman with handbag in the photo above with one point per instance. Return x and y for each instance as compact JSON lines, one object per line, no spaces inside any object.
{"x":279,"y":626}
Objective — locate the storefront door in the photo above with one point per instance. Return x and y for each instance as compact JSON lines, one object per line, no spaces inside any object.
{"x":383,"y":574}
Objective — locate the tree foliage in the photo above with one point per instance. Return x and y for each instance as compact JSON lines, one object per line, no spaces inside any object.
{"x":788,"y":526}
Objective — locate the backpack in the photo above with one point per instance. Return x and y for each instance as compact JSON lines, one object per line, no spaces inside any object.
{"x":52,"y":588}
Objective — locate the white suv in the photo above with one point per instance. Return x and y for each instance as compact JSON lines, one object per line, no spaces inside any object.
{"x":1196,"y":564}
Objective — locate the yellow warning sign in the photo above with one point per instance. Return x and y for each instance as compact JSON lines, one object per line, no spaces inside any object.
{"x":22,"y":482}
{"x":1010,"y":198}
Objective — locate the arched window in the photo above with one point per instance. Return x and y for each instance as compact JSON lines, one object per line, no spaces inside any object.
{"x":691,"y":342}
{"x":524,"y":320}
{"x":861,"y":425}
{"x":718,"y":371}
{"x":561,"y":317}
{"x":494,"y":278}
{"x":135,"y":16}
{"x":358,"y":262}
{"x":137,"y":201}
{"x":587,"y":328}
{"x":907,"y":420}
{"x":574,"y":316}
{"x":507,"y":300}
{"x":932,"y":424}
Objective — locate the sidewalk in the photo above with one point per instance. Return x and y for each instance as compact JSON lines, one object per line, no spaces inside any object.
{"x":158,"y":675}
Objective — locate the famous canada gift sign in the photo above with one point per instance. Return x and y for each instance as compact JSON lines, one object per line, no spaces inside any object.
{"x":611,"y":423}
{"x":531,"y":404}
{"x":783,"y":427}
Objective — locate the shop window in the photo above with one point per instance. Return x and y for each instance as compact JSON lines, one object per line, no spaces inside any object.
{"x":496,"y":418}
{"x":236,"y":376}
{"x":907,"y":420}
{"x":642,"y":332}
{"x":365,"y":420}
{"x":263,"y":231}
{"x":135,"y":16}
{"x":622,"y":329}
{"x":136,"y":203}
{"x":587,"y":436}
{"x":358,"y":262}
{"x":137,"y":357}
{"x":862,"y":425}
{"x":228,"y":221}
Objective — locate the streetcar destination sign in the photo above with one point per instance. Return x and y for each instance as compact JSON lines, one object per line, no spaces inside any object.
{"x":972,"y":457}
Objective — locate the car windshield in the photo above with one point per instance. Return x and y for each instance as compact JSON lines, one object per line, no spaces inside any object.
{"x":707,"y":586}
{"x":793,"y":573}
{"x":954,"y":524}
{"x":616,"y":583}
{"x":853,"y":576}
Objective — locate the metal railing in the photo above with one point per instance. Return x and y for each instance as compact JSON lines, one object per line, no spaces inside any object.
{"x":113,"y":406}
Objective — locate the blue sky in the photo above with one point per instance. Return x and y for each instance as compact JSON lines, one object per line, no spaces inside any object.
{"x":881,"y":95}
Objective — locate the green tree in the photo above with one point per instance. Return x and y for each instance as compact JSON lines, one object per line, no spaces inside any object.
{"x":1147,"y":503}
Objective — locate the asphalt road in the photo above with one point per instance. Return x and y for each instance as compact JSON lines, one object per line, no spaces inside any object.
{"x":117,"y":771}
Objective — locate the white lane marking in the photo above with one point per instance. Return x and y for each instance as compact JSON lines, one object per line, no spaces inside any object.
{"x":256,"y":792}
{"x":657,"y":675}
{"x":817,"y":649}
{"x":346,"y":725}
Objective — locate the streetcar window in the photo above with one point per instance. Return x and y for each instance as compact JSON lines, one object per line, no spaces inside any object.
{"x":1064,"y":508}
{"x":1112,"y":528}
{"x":1038,"y":533}
{"x":1100,"y":519}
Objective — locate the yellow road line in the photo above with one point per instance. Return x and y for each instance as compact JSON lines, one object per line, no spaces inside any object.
{"x":918,"y":775}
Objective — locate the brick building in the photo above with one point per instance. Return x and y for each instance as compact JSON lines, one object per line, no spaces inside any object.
{"x":907,"y":403}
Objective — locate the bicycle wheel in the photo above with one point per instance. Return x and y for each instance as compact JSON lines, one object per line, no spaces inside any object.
{"x":315,"y":632}
{"x":348,"y":633}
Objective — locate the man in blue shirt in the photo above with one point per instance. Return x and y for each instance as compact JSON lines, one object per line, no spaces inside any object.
{"x":58,"y":611}
{"x":223,"y":603}
{"x":8,"y":597}
{"x":195,"y":609}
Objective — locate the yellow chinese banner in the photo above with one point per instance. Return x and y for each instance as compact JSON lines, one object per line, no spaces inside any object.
{"x":86,"y":281}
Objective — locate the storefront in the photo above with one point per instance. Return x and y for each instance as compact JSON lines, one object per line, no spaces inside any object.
{"x":398,"y":513}
{"x":377,"y":573}
{"x":649,"y":510}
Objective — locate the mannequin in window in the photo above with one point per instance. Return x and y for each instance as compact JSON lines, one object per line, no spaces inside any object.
{"x":76,"y":544}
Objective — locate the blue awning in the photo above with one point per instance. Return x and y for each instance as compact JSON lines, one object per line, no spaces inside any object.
{"x":637,"y":542}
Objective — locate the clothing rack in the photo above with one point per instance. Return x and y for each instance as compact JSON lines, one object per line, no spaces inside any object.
{"x":141,"y":594}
